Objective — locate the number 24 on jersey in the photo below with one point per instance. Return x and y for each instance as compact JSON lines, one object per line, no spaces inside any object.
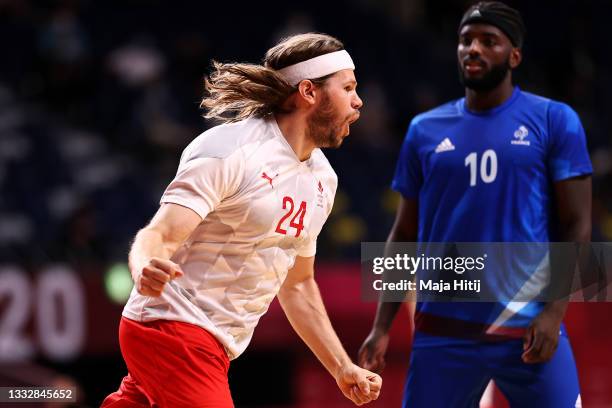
{"x":299,"y":216}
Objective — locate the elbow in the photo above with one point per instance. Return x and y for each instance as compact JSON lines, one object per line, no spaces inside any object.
{"x":295,"y":290}
{"x":285,"y":295}
{"x":584,"y":233}
{"x":168,"y":238}
{"x":286,"y":291}
{"x":282,"y":293}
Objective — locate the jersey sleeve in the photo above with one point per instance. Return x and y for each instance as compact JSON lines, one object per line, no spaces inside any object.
{"x":408,"y":177}
{"x":568,"y":155}
{"x":309,"y":249}
{"x":201,"y":183}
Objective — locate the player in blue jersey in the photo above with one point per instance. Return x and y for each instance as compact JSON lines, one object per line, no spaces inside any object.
{"x":499,"y":165}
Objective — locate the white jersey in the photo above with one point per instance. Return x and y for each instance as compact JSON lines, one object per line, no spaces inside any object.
{"x":261,"y":207}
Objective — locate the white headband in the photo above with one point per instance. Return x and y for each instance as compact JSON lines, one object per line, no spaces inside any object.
{"x":317,"y":67}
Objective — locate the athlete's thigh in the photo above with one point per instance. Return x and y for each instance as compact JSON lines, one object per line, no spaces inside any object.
{"x":442,"y":377}
{"x":174,"y":364}
{"x":548,"y":385}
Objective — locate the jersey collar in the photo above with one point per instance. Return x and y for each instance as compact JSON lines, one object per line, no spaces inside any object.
{"x":515,"y":94}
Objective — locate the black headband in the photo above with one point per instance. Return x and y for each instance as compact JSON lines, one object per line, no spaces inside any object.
{"x":497,"y":14}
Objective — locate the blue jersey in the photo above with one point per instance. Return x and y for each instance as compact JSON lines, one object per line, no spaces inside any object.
{"x":488,"y":177}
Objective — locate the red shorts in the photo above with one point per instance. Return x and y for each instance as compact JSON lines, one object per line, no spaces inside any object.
{"x":171,"y":364}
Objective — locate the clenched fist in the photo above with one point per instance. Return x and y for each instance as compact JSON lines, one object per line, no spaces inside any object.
{"x":359,"y":385}
{"x":154,"y":276}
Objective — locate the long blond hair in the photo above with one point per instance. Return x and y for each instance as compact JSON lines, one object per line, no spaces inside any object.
{"x":236,"y":91}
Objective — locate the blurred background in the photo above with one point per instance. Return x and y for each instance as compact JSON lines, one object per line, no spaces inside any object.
{"x":98,"y":99}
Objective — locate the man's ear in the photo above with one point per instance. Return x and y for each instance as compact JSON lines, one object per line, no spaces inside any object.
{"x":306,"y":93}
{"x":516,"y":56}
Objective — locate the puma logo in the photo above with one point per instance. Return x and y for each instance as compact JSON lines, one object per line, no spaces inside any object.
{"x":270,"y":179}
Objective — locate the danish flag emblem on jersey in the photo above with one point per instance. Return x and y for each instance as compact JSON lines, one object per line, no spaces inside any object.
{"x":320,"y":195}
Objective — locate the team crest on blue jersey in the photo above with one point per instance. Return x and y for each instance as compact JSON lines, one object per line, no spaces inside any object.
{"x":520,"y":134}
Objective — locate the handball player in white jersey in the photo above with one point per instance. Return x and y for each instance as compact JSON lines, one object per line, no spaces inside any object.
{"x":238,"y":226}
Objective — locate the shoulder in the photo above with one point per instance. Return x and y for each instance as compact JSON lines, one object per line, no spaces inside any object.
{"x":533,"y":99}
{"x":563,"y":120}
{"x":562,"y":111}
{"x":438,"y":114}
{"x":560,"y":117}
{"x":229,"y":139}
{"x":554,"y":109}
{"x":534,"y":105}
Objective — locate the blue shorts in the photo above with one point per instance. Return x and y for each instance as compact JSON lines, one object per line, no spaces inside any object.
{"x":455,"y":376}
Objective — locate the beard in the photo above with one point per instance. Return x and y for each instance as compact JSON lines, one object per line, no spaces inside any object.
{"x":325,"y":125}
{"x":489,"y":80}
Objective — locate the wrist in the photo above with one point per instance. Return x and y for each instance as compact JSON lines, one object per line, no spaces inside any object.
{"x":136,"y":268}
{"x":556,"y":309}
{"x":341,"y":367}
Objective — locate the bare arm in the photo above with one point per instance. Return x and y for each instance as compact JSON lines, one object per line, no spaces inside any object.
{"x":574,"y":206}
{"x":372,"y":352}
{"x":405,"y":229}
{"x":149,"y":257}
{"x":302,"y":303}
{"x":573,"y":198}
